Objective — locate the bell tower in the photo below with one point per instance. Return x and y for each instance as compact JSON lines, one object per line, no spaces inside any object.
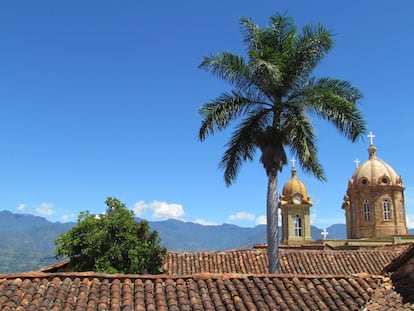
{"x":295,"y":208}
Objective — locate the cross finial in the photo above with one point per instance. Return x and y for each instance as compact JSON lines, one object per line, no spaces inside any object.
{"x":371,"y":137}
{"x":293,"y":161}
{"x":325,"y":234}
{"x":357,"y":162}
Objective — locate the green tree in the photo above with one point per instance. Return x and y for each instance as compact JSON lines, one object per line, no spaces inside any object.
{"x":112,"y":243}
{"x":274,"y":97}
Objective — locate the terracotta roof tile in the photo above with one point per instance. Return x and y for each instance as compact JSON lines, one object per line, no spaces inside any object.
{"x":293,"y":261}
{"x":385,"y":297}
{"x":401,"y":270}
{"x":66,"y":291}
{"x":400,"y":259}
{"x":322,"y":279}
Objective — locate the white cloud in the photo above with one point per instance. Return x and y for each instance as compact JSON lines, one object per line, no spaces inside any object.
{"x":313,"y":215}
{"x":45,"y":209}
{"x":20,"y":208}
{"x":205,"y":222}
{"x":160,"y":210}
{"x":166,"y":210}
{"x":409,"y":204}
{"x":279,"y":218}
{"x":242,"y":215}
{"x":409,"y":195}
{"x":261,"y":220}
{"x":410,"y":221}
{"x":67,"y":217}
{"x":139,"y":208}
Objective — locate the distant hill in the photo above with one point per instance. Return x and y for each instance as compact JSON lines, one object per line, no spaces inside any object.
{"x":27,"y":241}
{"x":177,"y":235}
{"x":12,"y":221}
{"x":337,"y":231}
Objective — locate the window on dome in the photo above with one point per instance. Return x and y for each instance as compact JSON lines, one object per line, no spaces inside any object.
{"x":367,"y":212}
{"x":385,"y":180}
{"x":364,"y":181}
{"x":297,"y":225}
{"x":386,"y":209}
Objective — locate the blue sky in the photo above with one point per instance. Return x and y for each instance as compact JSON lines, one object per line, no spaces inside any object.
{"x":100,"y":98}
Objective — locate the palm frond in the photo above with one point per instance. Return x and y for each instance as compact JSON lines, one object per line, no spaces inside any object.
{"x":229,"y":67}
{"x":282,"y":31}
{"x":341,"y":88}
{"x":336,"y":101}
{"x":276,"y":79}
{"x":243,"y":144}
{"x":308,"y":49}
{"x":218,"y":113}
{"x":266,"y":76}
{"x":301,"y":139}
{"x":250,"y":32}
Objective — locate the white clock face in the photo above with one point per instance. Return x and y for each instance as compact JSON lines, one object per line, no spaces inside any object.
{"x":297,"y":199}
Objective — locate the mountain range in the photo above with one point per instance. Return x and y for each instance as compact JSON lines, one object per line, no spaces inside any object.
{"x":27,"y":241}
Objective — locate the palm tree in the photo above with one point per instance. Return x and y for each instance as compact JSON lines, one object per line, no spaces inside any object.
{"x":274,"y":98}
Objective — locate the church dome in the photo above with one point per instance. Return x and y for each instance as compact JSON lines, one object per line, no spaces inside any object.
{"x":295,"y":189}
{"x":375,"y":172}
{"x":294,"y":186}
{"x":374,"y":200}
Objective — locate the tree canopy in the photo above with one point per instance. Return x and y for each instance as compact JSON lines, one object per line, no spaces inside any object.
{"x":113,"y":242}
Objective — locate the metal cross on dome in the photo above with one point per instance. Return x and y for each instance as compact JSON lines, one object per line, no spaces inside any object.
{"x":371,"y":137}
{"x":357,"y":162}
{"x":325,"y":234}
{"x":293,"y":161}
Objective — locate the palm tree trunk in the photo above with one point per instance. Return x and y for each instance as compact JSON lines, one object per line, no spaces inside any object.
{"x":272,"y":223}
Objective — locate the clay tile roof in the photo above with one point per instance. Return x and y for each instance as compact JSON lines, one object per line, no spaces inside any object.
{"x":292,"y":261}
{"x":402,"y":274}
{"x":323,"y":279}
{"x":385,"y":297}
{"x":92,"y":291}
{"x":400,"y":259}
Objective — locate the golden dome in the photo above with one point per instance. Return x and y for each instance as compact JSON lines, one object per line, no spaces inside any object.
{"x":293,"y":189}
{"x":375,"y":172}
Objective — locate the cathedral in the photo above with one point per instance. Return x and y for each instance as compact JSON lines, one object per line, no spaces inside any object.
{"x":374,"y":204}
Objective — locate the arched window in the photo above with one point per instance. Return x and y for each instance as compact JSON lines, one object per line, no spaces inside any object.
{"x":386,"y":209}
{"x":297,"y":225}
{"x":367,"y":211}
